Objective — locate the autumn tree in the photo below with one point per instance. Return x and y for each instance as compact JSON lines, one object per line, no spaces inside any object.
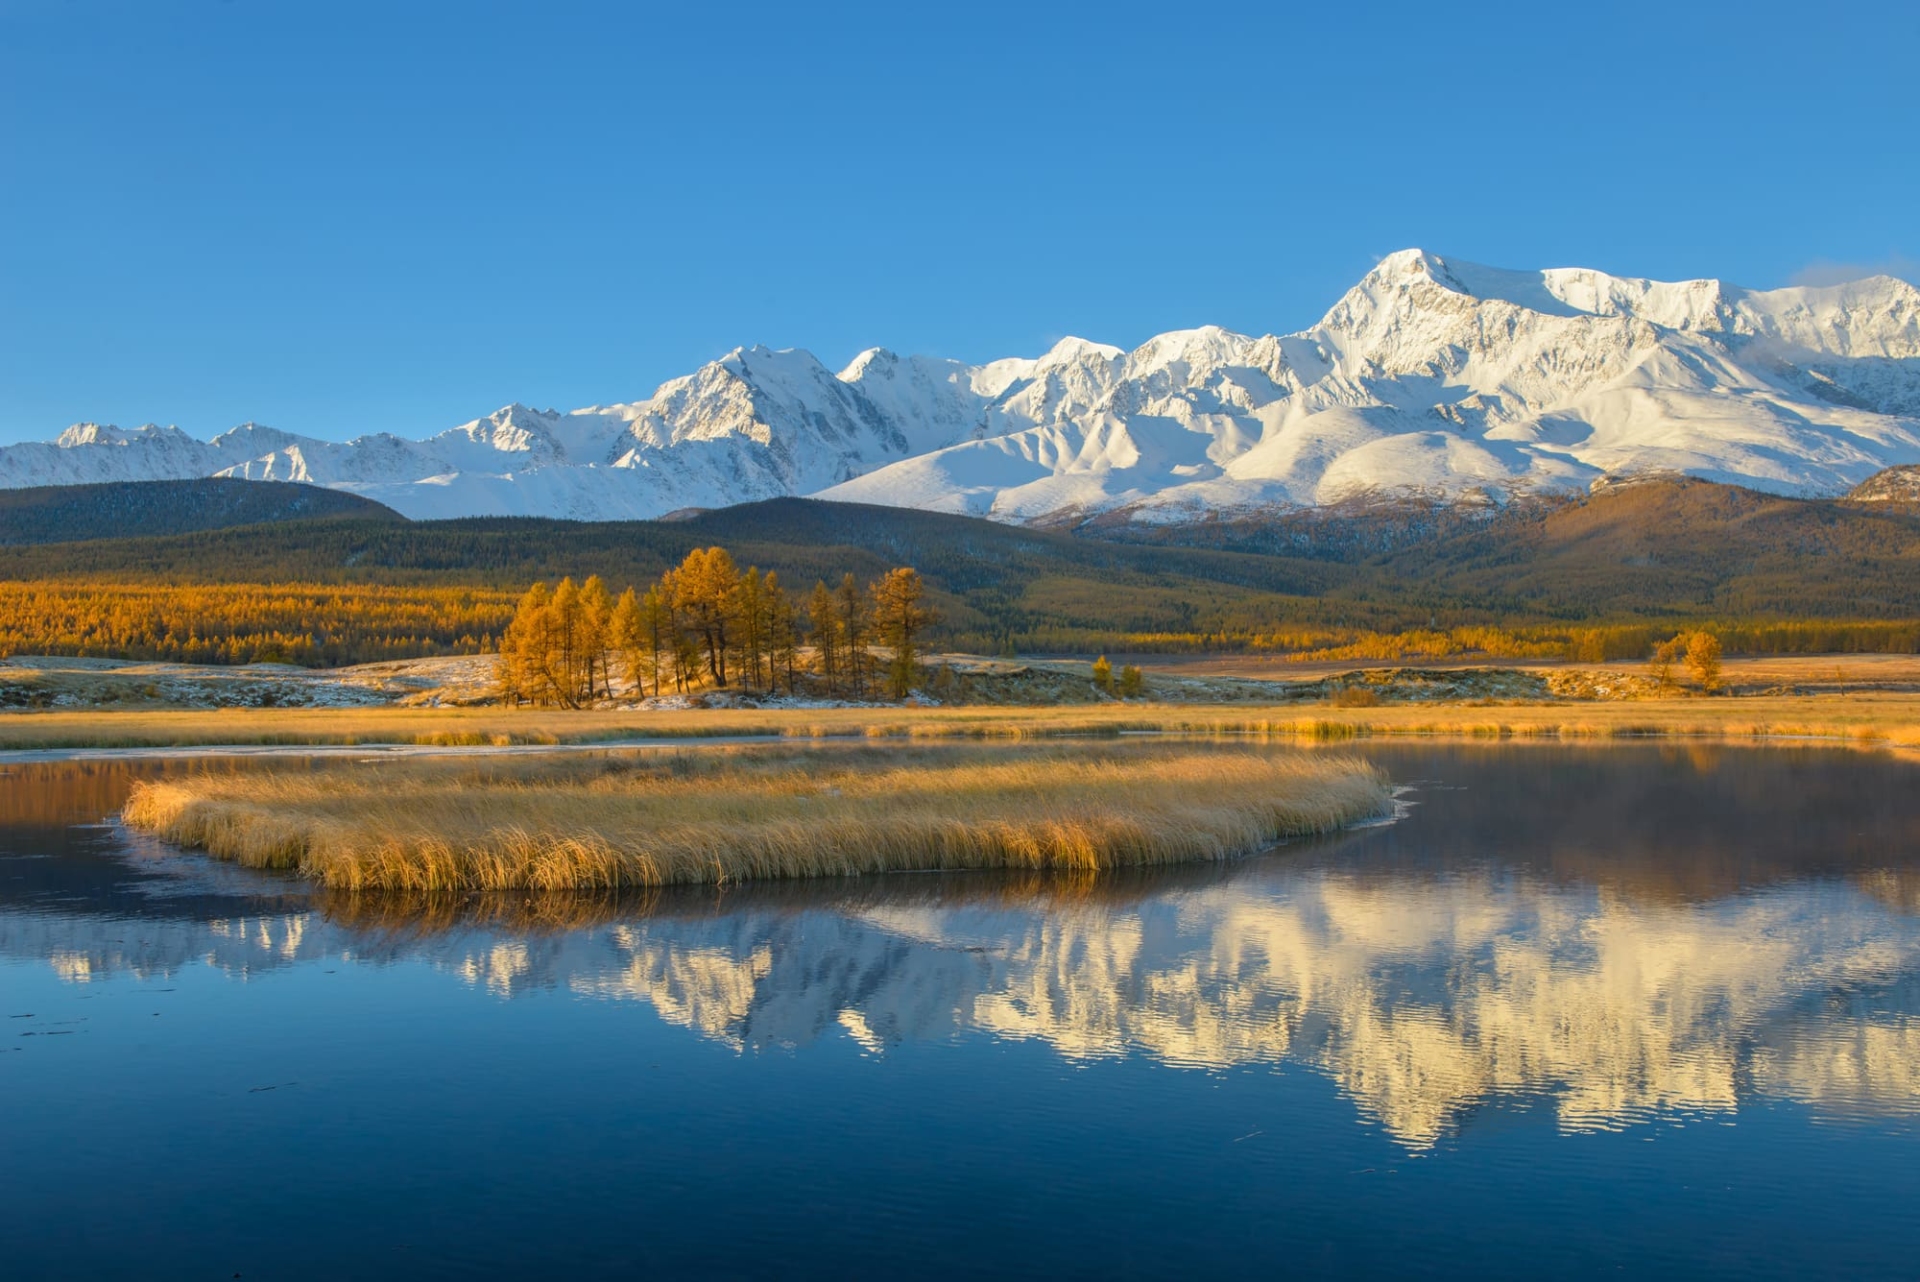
{"x":523,"y":650}
{"x":898,"y":617}
{"x":750,"y":611}
{"x":1703,"y":660}
{"x":595,"y":641}
{"x":705,"y":589}
{"x":851,"y":620}
{"x":657,"y":624}
{"x":1103,"y":675}
{"x":1665,"y":655}
{"x":1133,"y":682}
{"x":562,"y":660}
{"x":629,"y":637}
{"x":821,"y":630}
{"x":783,"y":634}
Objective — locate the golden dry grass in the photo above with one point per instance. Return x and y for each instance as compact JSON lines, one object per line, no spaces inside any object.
{"x":726,"y":816}
{"x":1876,"y":718}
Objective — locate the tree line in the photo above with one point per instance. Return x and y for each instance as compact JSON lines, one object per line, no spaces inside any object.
{"x":318,"y":624}
{"x":314,"y":625}
{"x":708,"y":623}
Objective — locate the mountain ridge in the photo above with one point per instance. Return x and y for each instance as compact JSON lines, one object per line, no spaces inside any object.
{"x":1431,"y":378}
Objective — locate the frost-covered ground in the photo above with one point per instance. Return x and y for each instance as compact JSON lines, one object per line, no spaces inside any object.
{"x":29,"y":683}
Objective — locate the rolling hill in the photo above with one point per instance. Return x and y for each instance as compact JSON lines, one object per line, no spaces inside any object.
{"x":1648,"y":552}
{"x":72,"y":513}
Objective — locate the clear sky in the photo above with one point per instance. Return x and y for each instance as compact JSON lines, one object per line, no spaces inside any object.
{"x":338,"y":218}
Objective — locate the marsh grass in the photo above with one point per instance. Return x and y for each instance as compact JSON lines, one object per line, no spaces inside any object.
{"x":732,"y":815}
{"x":402,"y":915}
{"x":1869,"y":719}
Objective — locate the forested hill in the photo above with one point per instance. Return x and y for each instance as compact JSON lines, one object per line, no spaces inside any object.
{"x":1642,"y":549}
{"x":1641,"y":554}
{"x":72,"y":513}
{"x":986,"y":579}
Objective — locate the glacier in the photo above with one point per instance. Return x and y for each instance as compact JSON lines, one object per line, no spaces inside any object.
{"x":1431,"y":378}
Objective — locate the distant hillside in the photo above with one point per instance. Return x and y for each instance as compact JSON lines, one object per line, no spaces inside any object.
{"x":1640,"y":554}
{"x":1666,"y":548}
{"x":117,"y":510}
{"x":1893,"y":485}
{"x":989,"y":580}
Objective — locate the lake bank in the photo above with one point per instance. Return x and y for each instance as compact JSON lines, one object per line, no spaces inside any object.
{"x":1874,"y":719}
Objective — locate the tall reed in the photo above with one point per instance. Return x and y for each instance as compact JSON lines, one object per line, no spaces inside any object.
{"x":716,"y":817}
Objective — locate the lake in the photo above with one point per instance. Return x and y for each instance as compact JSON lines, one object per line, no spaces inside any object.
{"x":1618,"y":1011}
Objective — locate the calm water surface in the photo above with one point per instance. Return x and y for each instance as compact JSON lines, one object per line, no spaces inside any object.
{"x":1581,"y":1012}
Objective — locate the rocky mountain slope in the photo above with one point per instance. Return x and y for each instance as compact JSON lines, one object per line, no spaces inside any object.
{"x":1431,"y":378}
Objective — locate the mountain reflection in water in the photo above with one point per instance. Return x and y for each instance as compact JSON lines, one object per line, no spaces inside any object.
{"x":1621,"y":933}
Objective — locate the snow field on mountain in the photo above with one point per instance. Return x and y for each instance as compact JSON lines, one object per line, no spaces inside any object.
{"x":1430,"y":377}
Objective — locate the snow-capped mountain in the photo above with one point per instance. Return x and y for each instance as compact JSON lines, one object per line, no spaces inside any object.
{"x":1431,"y":377}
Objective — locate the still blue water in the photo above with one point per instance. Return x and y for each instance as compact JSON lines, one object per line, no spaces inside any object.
{"x":1585,"y":1012}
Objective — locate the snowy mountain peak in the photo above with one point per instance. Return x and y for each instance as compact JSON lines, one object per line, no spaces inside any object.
{"x":1073,"y":351}
{"x":877,"y":361}
{"x":84,"y":434}
{"x":1432,"y":376}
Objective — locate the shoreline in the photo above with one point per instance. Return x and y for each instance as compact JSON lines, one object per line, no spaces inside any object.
{"x":1863,"y":720}
{"x":1329,"y":734}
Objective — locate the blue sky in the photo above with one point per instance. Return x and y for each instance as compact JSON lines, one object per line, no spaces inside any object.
{"x":338,"y":218}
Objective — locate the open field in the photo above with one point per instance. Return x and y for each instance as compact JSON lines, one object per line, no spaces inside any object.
{"x":749,"y":815}
{"x":1869,"y":719}
{"x":49,"y":684}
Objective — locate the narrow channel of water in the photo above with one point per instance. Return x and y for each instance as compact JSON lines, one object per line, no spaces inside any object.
{"x":1583,"y":1011}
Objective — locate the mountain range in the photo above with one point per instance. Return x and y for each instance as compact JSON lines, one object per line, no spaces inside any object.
{"x":1431,"y":378}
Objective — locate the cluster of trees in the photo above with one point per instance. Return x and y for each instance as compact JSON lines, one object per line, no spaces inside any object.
{"x":706,"y":622}
{"x":1130,"y":684}
{"x":1699,"y":651}
{"x":311,"y":624}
